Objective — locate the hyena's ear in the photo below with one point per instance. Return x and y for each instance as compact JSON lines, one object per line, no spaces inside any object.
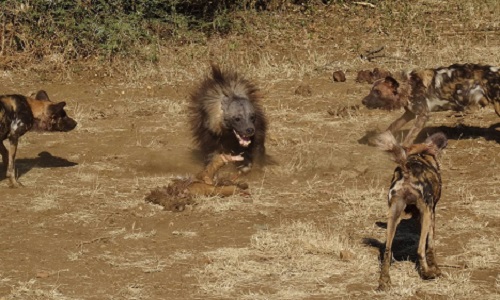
{"x":225,"y":101}
{"x":42,"y":95}
{"x":54,"y":109}
{"x":393,"y":83}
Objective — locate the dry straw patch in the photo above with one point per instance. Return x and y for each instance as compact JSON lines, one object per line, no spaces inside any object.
{"x":294,"y":261}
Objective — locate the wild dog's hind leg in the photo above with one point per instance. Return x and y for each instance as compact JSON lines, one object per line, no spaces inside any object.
{"x":394,"y":217}
{"x":426,"y":223}
{"x":429,"y":252}
{"x":11,"y":171}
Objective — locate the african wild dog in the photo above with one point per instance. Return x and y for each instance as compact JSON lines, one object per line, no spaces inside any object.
{"x":447,"y":88}
{"x":226,"y":117}
{"x":19,"y":114}
{"x":415,"y":189}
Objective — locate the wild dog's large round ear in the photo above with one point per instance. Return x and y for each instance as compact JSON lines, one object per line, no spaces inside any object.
{"x":42,"y":95}
{"x":392,"y":82}
{"x":57,"y":107}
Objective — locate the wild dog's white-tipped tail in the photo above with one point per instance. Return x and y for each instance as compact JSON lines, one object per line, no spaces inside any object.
{"x":438,"y":139}
{"x":387,"y":142}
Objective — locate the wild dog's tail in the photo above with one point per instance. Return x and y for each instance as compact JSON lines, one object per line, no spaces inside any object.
{"x":432,"y":146}
{"x":386,"y":142}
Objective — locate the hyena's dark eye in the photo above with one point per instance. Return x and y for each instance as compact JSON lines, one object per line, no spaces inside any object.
{"x":237,"y":119}
{"x":252,"y":118}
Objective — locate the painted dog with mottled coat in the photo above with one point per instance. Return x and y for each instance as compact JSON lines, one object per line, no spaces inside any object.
{"x":18,"y":115}
{"x":415,"y":189}
{"x":455,"y":87}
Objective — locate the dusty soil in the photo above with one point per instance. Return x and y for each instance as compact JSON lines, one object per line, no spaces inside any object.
{"x":314,"y":225}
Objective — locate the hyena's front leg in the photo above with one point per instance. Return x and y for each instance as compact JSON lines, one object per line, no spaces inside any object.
{"x":245,"y":165}
{"x":11,"y":156}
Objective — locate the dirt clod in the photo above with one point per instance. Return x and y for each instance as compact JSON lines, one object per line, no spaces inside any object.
{"x":338,"y":76}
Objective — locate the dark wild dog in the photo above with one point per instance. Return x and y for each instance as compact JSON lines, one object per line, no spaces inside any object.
{"x":19,"y":114}
{"x":226,"y":117}
{"x":446,"y":88}
{"x":415,"y":189}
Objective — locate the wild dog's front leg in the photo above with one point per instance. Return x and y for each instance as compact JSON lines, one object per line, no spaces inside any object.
{"x":416,"y":128}
{"x":5,"y":155}
{"x":11,"y":156}
{"x":396,"y":208}
{"x":401,"y":121}
{"x":496,"y":103}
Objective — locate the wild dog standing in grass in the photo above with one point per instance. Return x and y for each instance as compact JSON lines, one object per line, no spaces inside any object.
{"x":19,"y":114}
{"x":226,"y":117}
{"x":447,"y":88}
{"x":415,"y":188}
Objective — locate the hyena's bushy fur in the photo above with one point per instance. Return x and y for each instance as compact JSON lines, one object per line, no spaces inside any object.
{"x":226,"y":117}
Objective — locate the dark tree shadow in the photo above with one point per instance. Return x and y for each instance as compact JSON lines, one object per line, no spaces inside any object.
{"x":43,"y":160}
{"x":458,"y":132}
{"x":405,"y":244}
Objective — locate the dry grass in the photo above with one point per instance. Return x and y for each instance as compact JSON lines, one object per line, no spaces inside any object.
{"x":294,"y":261}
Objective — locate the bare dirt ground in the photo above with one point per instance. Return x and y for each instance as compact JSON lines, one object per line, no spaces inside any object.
{"x":313,"y":227}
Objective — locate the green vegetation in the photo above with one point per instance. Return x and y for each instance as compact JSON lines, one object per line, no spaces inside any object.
{"x":109,"y":29}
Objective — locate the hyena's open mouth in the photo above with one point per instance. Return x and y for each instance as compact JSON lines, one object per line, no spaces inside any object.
{"x":242,"y":139}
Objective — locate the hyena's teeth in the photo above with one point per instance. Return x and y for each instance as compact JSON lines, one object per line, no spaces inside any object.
{"x":244,"y":141}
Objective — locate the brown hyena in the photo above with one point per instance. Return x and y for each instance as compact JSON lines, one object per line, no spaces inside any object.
{"x":226,"y":117}
{"x":415,"y":189}
{"x":447,"y":88}
{"x":19,"y":114}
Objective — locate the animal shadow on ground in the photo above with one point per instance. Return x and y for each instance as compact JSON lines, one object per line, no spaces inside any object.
{"x":458,"y":132}
{"x":405,"y":242}
{"x":462,"y":131}
{"x":43,"y":160}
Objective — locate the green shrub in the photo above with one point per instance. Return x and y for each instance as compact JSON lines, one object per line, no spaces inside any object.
{"x":110,"y":28}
